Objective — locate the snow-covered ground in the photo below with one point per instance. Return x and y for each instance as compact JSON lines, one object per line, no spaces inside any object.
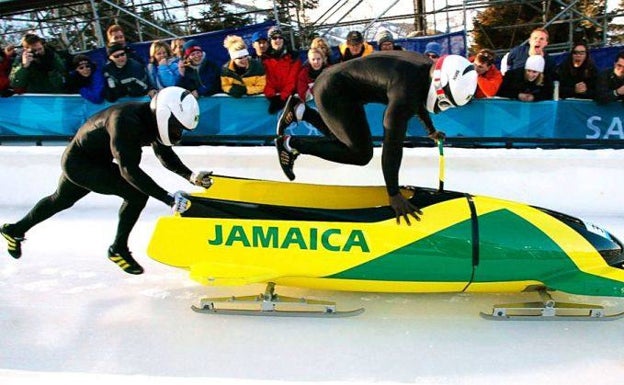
{"x":70,"y":316}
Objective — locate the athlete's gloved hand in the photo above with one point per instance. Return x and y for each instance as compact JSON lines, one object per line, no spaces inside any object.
{"x":403,"y":208}
{"x":437,"y":135}
{"x":180,"y":202}
{"x":201,"y":178}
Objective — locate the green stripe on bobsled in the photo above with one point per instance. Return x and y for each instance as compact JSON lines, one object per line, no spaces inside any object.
{"x":441,"y":257}
{"x":446,"y":256}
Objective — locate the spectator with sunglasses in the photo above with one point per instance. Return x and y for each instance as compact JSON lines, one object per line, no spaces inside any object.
{"x":86,"y":79}
{"x":577,"y":74}
{"x":433,"y":50}
{"x":282,"y":66}
{"x":490,"y":78}
{"x":115,"y":34}
{"x":125,"y":76}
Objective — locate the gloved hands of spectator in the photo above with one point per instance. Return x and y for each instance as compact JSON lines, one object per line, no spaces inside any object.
{"x":180,"y":202}
{"x":201,"y":178}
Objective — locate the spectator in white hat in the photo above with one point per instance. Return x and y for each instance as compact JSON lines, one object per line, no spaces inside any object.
{"x":528,"y":84}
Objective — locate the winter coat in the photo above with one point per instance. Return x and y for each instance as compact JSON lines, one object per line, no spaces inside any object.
{"x":5,"y":69}
{"x":305,"y":81}
{"x":130,"y":80}
{"x":514,"y":83}
{"x":91,"y":88}
{"x":346,"y":54}
{"x":203,"y":78}
{"x":251,"y":82}
{"x":45,"y":75}
{"x":606,"y":85}
{"x":282,"y":69}
{"x":569,"y":76}
{"x":164,"y":75}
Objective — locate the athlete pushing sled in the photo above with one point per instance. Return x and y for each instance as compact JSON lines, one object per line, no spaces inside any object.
{"x":407,"y":82}
{"x":104,"y":157}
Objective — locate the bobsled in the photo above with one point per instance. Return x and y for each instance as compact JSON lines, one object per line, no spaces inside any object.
{"x":244,"y":231}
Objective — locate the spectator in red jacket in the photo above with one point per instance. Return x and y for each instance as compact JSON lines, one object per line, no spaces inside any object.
{"x":309,"y":71}
{"x":282,"y":67}
{"x":6,"y":60}
{"x":490,"y":78}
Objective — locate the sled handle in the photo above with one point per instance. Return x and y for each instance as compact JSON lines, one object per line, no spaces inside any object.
{"x":441,"y":176}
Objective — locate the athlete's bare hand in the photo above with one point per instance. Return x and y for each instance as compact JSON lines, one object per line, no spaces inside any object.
{"x":437,"y":135}
{"x":403,"y":208}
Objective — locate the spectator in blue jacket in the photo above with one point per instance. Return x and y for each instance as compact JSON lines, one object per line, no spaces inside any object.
{"x":86,"y":79}
{"x":125,"y":76}
{"x":163,"y":68}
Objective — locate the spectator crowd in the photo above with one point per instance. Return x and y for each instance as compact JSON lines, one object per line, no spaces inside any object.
{"x":269,"y":66}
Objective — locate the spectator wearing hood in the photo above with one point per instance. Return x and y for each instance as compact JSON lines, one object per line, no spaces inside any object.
{"x":241,"y":75}
{"x":199,"y":75}
{"x":125,"y":76}
{"x":39,"y":69}
{"x":86,"y":79}
{"x":354,"y":47}
{"x":282,"y":66}
{"x":385,"y":42}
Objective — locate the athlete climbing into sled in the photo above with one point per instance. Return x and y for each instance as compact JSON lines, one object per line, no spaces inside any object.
{"x":406,"y":82}
{"x":104,"y":157}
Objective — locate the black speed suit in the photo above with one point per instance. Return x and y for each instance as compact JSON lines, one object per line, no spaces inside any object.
{"x":104,"y":157}
{"x":398,"y":79}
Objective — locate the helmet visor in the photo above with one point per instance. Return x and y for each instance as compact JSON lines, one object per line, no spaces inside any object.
{"x":175,"y":129}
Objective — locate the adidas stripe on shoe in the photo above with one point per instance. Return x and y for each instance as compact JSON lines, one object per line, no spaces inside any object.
{"x":123,"y":259}
{"x":14,"y":242}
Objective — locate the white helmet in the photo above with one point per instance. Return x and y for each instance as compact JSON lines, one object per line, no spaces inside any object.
{"x":453,"y":83}
{"x":176,"y":110}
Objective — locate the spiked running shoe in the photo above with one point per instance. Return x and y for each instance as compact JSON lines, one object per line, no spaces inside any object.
{"x":286,"y":158}
{"x":287,"y":116}
{"x":15,"y":242}
{"x":123,"y":259}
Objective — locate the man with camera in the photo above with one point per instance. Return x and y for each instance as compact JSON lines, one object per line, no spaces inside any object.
{"x":39,"y":69}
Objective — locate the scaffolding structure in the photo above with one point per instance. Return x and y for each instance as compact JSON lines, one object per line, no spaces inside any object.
{"x":425,"y":19}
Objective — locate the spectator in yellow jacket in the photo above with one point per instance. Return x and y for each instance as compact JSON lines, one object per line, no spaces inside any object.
{"x":241,"y":75}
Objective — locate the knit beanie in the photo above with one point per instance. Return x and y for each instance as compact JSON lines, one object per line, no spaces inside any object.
{"x":434,"y":48}
{"x":535,"y":63}
{"x":190,"y":50}
{"x":384,"y":36}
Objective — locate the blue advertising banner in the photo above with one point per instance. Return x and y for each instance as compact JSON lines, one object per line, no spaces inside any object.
{"x":246,"y":118}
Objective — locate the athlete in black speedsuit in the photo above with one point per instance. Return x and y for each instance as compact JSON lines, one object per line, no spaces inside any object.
{"x":405,"y":82}
{"x":104,"y":157}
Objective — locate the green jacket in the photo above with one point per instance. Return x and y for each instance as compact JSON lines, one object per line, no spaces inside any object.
{"x":44,"y":76}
